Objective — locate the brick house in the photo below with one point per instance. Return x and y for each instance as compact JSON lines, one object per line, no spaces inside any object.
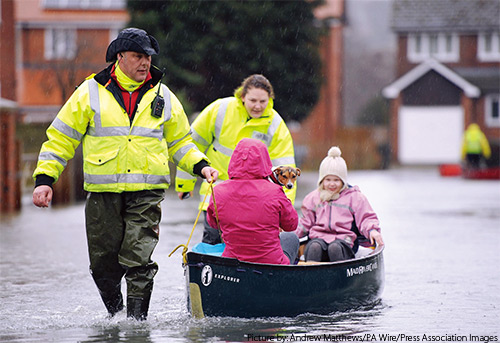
{"x":53,"y":56}
{"x":447,"y":76}
{"x":59,"y":43}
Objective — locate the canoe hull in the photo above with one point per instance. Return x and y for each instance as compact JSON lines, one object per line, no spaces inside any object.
{"x":486,"y":173}
{"x":492,"y":173}
{"x":227,"y":287}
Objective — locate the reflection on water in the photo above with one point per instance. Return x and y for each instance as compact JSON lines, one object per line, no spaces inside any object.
{"x":120,"y":333}
{"x":441,"y":261}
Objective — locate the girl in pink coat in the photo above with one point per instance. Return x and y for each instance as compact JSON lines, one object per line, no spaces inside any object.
{"x":251,"y":209}
{"x":330,"y":212}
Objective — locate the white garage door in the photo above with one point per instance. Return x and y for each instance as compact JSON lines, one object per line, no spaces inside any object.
{"x":430,"y":135}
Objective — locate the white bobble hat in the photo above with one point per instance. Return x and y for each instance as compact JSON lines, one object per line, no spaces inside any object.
{"x":333,"y":164}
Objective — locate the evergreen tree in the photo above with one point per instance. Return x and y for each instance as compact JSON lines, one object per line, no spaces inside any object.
{"x":209,"y":47}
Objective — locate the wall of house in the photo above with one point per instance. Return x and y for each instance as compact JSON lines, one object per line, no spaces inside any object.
{"x":7,"y":44}
{"x":468,"y":55}
{"x":10,"y":148}
{"x":52,"y":82}
{"x":44,"y":85}
{"x":42,"y":82}
{"x":493,"y":133}
{"x":403,"y":65}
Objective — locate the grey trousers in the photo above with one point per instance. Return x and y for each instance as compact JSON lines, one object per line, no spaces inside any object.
{"x":290,"y":245}
{"x":318,"y":250}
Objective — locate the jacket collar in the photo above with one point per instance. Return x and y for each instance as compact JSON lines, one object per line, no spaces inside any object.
{"x":104,"y":76}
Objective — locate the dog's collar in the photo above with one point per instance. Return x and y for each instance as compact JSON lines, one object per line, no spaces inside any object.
{"x":275,"y":179}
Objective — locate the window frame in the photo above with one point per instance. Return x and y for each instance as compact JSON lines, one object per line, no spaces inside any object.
{"x":488,"y":56}
{"x":490,"y":119}
{"x":420,"y":47}
{"x":60,"y":43}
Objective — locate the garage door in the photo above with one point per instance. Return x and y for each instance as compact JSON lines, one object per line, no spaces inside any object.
{"x":430,"y":135}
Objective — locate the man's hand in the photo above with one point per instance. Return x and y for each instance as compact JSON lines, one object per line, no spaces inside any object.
{"x":42,"y":196}
{"x":210,"y":174}
{"x":375,"y":236}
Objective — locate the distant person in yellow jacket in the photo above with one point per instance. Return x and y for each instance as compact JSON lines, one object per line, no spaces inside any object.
{"x":130,"y":126}
{"x":222,"y":124}
{"x":475,"y":146}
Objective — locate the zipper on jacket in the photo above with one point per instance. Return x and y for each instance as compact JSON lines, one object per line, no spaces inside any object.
{"x":131,"y":114}
{"x":330,"y":216}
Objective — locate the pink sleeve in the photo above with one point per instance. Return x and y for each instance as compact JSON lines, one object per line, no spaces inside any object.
{"x":211,"y":214}
{"x":307,"y":219}
{"x":366,"y":218}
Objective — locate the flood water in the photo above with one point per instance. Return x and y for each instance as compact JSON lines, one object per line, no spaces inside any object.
{"x":442,"y":265}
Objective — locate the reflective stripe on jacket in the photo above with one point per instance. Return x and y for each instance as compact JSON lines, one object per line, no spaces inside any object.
{"x":119,"y":156}
{"x":221,"y":125}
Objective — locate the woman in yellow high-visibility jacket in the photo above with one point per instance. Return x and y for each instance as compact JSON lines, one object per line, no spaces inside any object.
{"x":222,"y":124}
{"x":475,"y":146}
{"x":130,"y":125}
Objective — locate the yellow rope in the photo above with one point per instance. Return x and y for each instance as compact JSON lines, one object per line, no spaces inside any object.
{"x":185,"y":250}
{"x":215,"y":208}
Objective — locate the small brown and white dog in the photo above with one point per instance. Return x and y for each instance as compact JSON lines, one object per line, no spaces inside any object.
{"x":285,"y":176}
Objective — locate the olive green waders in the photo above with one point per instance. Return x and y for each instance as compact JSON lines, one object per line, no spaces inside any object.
{"x":122,"y":232}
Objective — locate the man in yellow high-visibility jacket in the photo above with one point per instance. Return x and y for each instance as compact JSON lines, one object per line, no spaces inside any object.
{"x":222,"y":124}
{"x":475,"y":146}
{"x":130,"y":125}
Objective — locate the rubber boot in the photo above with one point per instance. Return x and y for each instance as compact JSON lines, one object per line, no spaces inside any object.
{"x":111,"y":294}
{"x":113,"y":303}
{"x":137,"y":308}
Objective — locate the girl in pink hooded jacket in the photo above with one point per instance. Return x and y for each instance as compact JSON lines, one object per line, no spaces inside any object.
{"x":251,"y":209}
{"x":330,"y":212}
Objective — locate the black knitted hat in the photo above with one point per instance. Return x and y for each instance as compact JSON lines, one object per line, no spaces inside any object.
{"x":132,"y":39}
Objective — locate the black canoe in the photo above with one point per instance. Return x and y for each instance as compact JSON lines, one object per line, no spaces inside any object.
{"x":218,"y":286}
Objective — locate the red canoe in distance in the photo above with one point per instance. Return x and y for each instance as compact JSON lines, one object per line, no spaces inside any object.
{"x":489,"y":173}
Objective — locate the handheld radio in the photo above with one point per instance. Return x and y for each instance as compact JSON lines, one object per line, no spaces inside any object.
{"x":159,"y":103}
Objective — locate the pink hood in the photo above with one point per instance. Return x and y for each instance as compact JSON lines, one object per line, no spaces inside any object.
{"x":250,"y":208}
{"x":250,"y":160}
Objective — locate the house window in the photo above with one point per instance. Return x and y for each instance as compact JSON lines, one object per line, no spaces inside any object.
{"x":443,"y":47}
{"x":434,"y":44}
{"x":488,"y":47}
{"x":493,"y":110}
{"x":60,"y":43}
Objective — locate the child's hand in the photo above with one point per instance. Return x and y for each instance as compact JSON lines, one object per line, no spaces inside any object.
{"x":376,"y":236}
